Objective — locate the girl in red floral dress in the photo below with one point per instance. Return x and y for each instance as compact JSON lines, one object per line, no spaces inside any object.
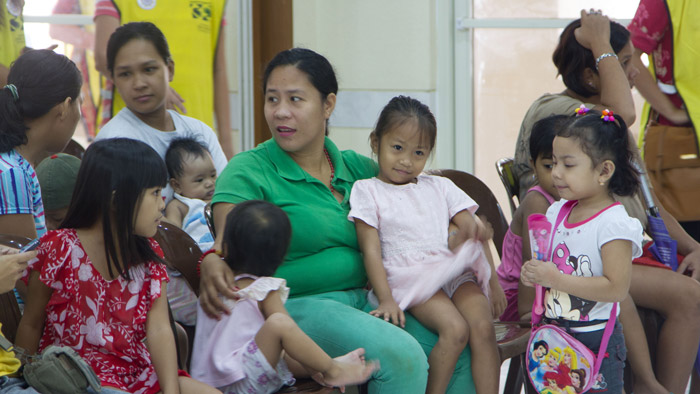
{"x":96,"y":283}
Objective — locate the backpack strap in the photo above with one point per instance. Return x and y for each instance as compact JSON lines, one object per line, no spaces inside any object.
{"x":563,"y":213}
{"x":607,"y":333}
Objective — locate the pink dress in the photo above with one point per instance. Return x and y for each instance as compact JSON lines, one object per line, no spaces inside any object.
{"x":103,"y":321}
{"x":511,"y":263}
{"x":412,"y":221}
{"x":223,"y":349}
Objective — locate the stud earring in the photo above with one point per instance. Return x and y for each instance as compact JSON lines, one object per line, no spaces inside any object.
{"x":601,"y":183}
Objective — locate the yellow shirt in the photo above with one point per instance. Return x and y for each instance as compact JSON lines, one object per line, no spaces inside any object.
{"x":192,"y":30}
{"x":11,"y":34}
{"x":9,"y":364}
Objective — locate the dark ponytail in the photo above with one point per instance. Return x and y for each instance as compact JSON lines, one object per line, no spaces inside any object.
{"x":42,"y":79}
{"x":606,"y":140}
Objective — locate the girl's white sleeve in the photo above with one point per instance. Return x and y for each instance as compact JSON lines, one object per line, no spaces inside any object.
{"x":620,"y":226}
{"x":457,"y":199}
{"x":363,"y":205}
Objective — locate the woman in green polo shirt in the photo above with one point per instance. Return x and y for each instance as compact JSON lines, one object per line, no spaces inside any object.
{"x":305,"y":174}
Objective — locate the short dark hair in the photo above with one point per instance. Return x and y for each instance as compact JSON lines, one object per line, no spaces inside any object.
{"x":603,"y":140}
{"x":132,"y":31}
{"x":256,"y":238}
{"x":113,"y":176}
{"x":178,"y":148}
{"x":571,"y":58}
{"x":543,"y":133}
{"x":401,"y":109}
{"x":43,"y":80}
{"x":316,"y":67}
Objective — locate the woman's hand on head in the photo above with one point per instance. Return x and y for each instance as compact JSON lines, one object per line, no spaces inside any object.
{"x":11,"y":268}
{"x":390,"y":311}
{"x":216,"y":279}
{"x":594,"y":30}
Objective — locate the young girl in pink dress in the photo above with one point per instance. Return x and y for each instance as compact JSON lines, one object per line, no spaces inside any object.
{"x":258,"y":348}
{"x":96,"y":283}
{"x":516,"y":244}
{"x":402,"y":218}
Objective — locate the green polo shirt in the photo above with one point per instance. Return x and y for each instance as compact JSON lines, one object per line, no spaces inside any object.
{"x":323,"y":254}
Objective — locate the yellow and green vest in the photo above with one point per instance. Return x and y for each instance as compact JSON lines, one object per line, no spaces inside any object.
{"x":685,"y":22}
{"x":11,"y":35}
{"x":192,"y":29}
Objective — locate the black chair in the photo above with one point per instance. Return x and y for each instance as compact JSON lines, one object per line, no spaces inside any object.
{"x":504,"y":167}
{"x":75,"y":149}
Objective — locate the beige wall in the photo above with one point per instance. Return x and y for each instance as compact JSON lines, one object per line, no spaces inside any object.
{"x":231,"y":42}
{"x":378,"y":48}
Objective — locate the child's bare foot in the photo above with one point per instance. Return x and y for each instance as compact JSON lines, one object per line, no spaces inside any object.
{"x":356,"y":356}
{"x":349,"y":369}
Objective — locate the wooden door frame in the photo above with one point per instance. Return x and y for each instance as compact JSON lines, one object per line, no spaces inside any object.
{"x":272,"y":32}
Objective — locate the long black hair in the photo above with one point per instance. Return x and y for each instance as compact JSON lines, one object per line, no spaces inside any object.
{"x":112,"y":179}
{"x":42,"y":79}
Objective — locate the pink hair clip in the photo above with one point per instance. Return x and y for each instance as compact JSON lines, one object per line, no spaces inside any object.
{"x":582,"y":110}
{"x":608,"y":115}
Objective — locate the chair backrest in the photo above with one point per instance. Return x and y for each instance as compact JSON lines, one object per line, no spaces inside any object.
{"x":181,"y":252}
{"x":209,"y":217}
{"x":73,"y":148}
{"x":504,"y":167}
{"x":9,"y":309}
{"x":488,"y":204}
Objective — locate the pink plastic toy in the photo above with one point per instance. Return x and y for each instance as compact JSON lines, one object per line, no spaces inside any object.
{"x":540,"y":231}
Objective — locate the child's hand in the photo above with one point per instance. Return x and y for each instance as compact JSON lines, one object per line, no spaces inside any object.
{"x":498,"y":298}
{"x":390,"y":310}
{"x":484,"y":230}
{"x":12,"y":267}
{"x":536,"y":272}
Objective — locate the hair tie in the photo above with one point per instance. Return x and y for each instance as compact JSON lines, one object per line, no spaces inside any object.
{"x":608,"y":116}
{"x":582,"y":110}
{"x":13,"y":89}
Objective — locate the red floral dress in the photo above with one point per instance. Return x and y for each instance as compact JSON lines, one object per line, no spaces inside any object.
{"x":104,"y":321}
